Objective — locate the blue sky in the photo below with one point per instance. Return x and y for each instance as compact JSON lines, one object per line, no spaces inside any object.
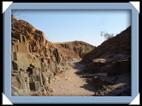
{"x":62,"y":26}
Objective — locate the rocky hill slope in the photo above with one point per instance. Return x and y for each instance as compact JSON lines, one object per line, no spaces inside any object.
{"x":114,"y":51}
{"x":35,"y":60}
{"x":111,"y":62}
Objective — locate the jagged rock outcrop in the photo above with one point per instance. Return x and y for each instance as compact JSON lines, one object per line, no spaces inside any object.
{"x":35,"y":61}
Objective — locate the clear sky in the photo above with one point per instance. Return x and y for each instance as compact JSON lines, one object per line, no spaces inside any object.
{"x":60,"y":26}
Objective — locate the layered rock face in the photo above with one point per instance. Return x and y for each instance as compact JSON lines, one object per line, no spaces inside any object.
{"x":35,"y":61}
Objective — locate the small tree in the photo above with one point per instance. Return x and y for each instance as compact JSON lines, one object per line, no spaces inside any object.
{"x":107,"y":35}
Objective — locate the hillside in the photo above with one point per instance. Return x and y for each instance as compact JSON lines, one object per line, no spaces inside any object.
{"x":120,"y":44}
{"x":110,"y":64}
{"x":112,"y":51}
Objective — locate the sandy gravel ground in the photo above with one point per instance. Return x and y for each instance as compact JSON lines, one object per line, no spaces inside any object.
{"x":69,"y":84}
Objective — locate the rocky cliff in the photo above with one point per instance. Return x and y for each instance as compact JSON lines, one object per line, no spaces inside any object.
{"x":35,"y":60}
